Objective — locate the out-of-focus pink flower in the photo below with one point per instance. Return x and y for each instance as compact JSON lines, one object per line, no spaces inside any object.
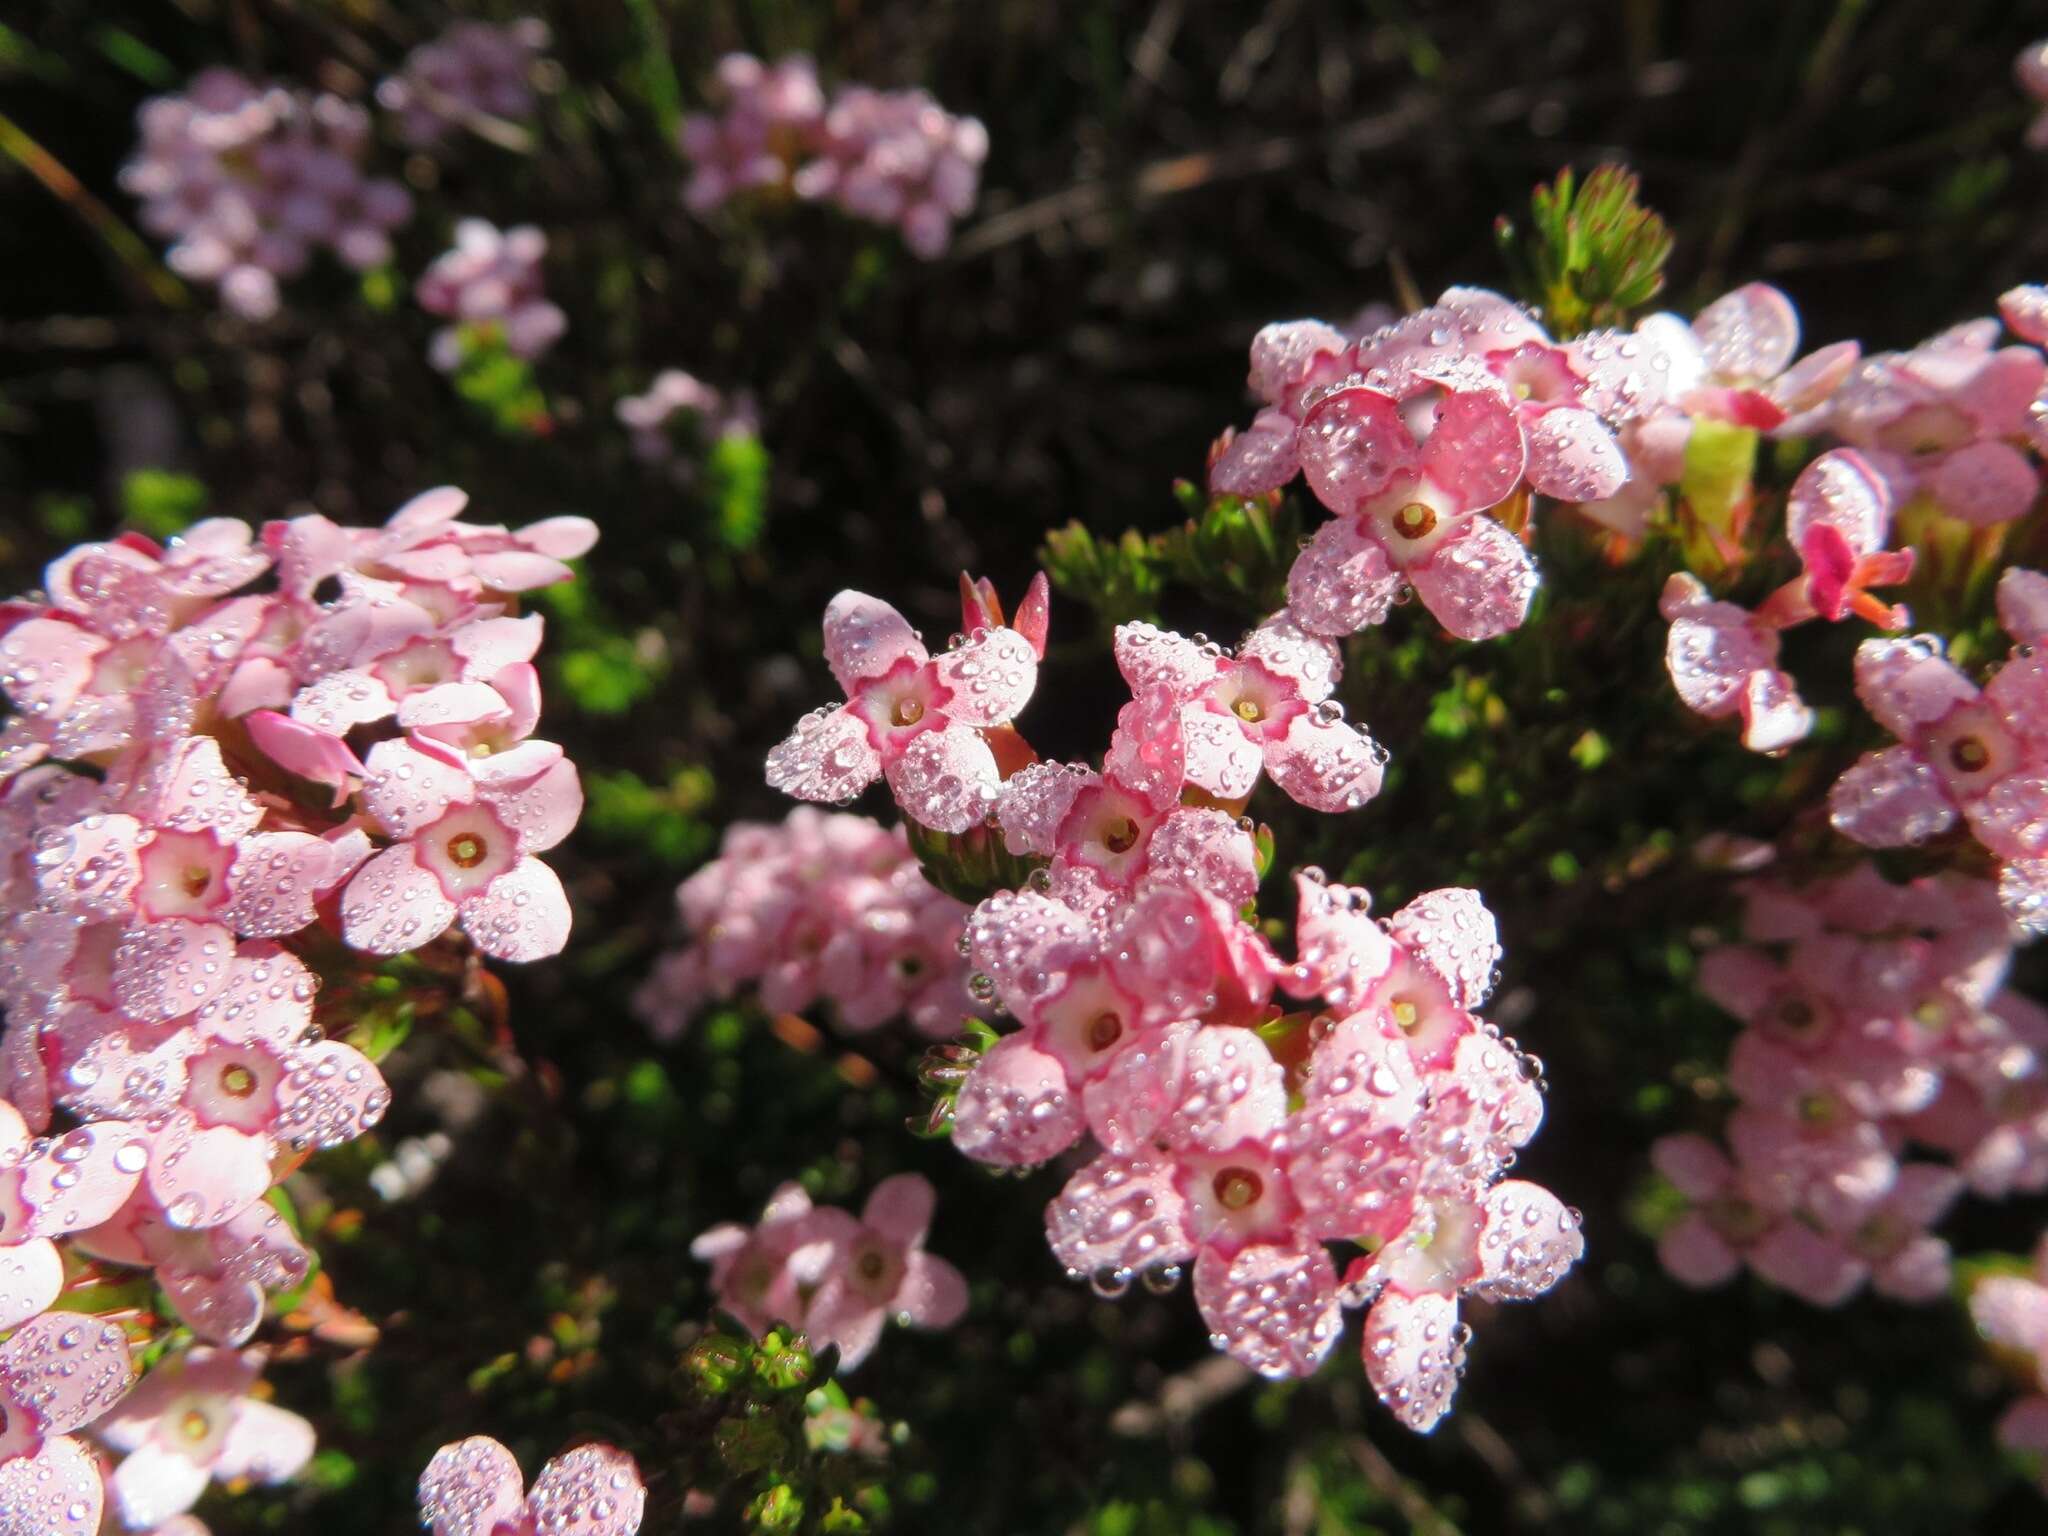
{"x":472,"y":68}
{"x":193,"y":1420}
{"x":1266,"y":708}
{"x":815,"y":908}
{"x":770,"y":116}
{"x":247,"y":181}
{"x":679,"y":416}
{"x":1742,"y":1215}
{"x":2031,"y":69}
{"x":490,"y":282}
{"x":836,"y":1277}
{"x":896,"y":158}
{"x":914,"y":718}
{"x":473,"y":1488}
{"x":1723,"y":661}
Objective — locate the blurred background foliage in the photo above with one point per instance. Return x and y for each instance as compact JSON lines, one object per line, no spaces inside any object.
{"x":1165,"y":176}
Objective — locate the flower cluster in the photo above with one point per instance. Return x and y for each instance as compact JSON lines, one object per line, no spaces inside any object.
{"x":473,"y":69}
{"x":186,"y":827}
{"x":679,"y":415}
{"x":248,"y":181}
{"x":815,"y":909}
{"x":2032,"y":69}
{"x":1875,"y":1019}
{"x":474,"y":1487}
{"x":489,"y":285}
{"x":836,"y":1277}
{"x":889,"y":157}
{"x":1230,"y":1134}
{"x":2012,"y":1312}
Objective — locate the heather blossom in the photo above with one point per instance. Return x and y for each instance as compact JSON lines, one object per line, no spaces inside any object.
{"x":472,"y":69}
{"x":924,"y":722}
{"x":819,"y":908}
{"x":679,"y":415}
{"x":489,"y":284}
{"x":2012,"y":1312}
{"x":2031,"y":68}
{"x":473,"y":1487}
{"x":837,"y":1277}
{"x":249,"y":180}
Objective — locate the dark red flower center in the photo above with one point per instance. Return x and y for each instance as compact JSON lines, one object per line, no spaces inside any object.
{"x":1415,"y":520}
{"x":1237,"y":1188}
{"x":1969,"y":754}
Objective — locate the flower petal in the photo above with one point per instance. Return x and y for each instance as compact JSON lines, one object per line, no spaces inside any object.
{"x":1889,"y":799}
{"x":865,"y":637}
{"x":1015,"y":1109}
{"x":594,"y":1490}
{"x":1148,"y":655}
{"x":56,"y":1492}
{"x":1475,"y":451}
{"x":1119,"y":1214}
{"x":68,"y":1369}
{"x":1478,"y":582}
{"x":408,"y":789}
{"x":1413,"y":1356}
{"x":470,"y":1488}
{"x":900,"y":1208}
{"x":1573,"y":456}
{"x":393,"y":905}
{"x":1353,"y":444}
{"x":1748,"y":335}
{"x":991,"y":676}
{"x":1275,"y":1309}
{"x":828,"y":757}
{"x":946,"y":779}
{"x":1326,"y":765}
{"x":522,"y":915}
{"x":1342,"y":582}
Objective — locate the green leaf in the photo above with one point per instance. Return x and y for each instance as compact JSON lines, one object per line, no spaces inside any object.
{"x":161,"y":502}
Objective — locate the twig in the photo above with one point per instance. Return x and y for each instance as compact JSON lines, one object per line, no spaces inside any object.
{"x":136,"y":262}
{"x":1423,"y":1517}
{"x":1181,"y":1398}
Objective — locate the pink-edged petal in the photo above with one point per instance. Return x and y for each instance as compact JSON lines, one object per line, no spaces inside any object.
{"x":1806,"y":386}
{"x":540,"y":810}
{"x":470,"y":1488}
{"x":221,"y":1310}
{"x":1274,"y":1309}
{"x":1531,"y":1239}
{"x":31,"y":1277}
{"x":56,"y":1492}
{"x":1699,"y":1168}
{"x":2011,"y":1311}
{"x":1147,"y":757}
{"x":1326,"y":765}
{"x":828,"y":757}
{"x":1342,"y":950}
{"x":1451,"y":931}
{"x":1475,"y":451}
{"x":1840,"y":490}
{"x":162,"y":970}
{"x":1492,"y":322}
{"x":1694,"y":1254}
{"x":317,"y":756}
{"x":204,"y":1176}
{"x":45,"y":664}
{"x":1128,"y":1101}
{"x":68,"y":1369}
{"x":92,"y":867}
{"x":332,"y":1094}
{"x":1284,"y":352}
{"x":1750,"y":334}
{"x":1342,"y":582}
{"x":1739,"y":978}
{"x":408,"y":789}
{"x":1908,"y":684}
{"x":518,"y":570}
{"x":393,"y":905}
{"x":1232,"y":1090}
{"x":193,"y":792}
{"x":1984,"y":483}
{"x":594,"y":1490}
{"x":1478,"y":582}
{"x":1413,"y":1355}
{"x":564,"y":537}
{"x":1009,"y":936}
{"x":865,"y":637}
{"x":1204,"y":850}
{"x":2023,"y":893}
{"x":1260,"y":459}
{"x":275,"y":879}
{"x":1573,"y":456}
{"x":1311,"y":662}
{"x":947,"y":779}
{"x":81,"y":1178}
{"x":1015,"y":1108}
{"x":1034,"y":801}
{"x":1353,"y":444}
{"x":339,"y":702}
{"x":522,"y":915}
{"x":154,"y":1483}
{"x":2023,"y":605}
{"x":1220,"y":758}
{"x":991,"y":677}
{"x":933,"y":1293}
{"x":1118,"y":1214}
{"x":1149,"y":656}
{"x":1889,"y":799}
{"x":1795,"y":1258}
{"x":265,"y":1444}
{"x":1774,"y":716}
{"x":900,"y":1208}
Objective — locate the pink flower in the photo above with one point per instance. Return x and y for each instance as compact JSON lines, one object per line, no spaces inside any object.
{"x":1409,"y":471}
{"x":467,"y":830}
{"x":193,"y":1419}
{"x":1723,"y":661}
{"x":1739,"y":1215}
{"x":1268,"y":707}
{"x":1111,"y":835}
{"x":216,"y":1277}
{"x":772,"y":113}
{"x":1962,"y":753}
{"x":472,"y":68}
{"x":911,"y":717}
{"x":473,"y":1488}
{"x":2031,"y":69}
{"x":58,"y":1372}
{"x":185,"y":873}
{"x":1573,"y":454}
{"x":490,"y":279}
{"x":836,"y":1277}
{"x":50,"y":1189}
{"x":898,"y":158}
{"x":1838,"y":517}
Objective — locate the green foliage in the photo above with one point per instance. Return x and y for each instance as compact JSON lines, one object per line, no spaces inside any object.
{"x":664,"y":822}
{"x":1591,"y":255}
{"x":969,"y":865}
{"x":498,"y":382}
{"x":736,"y":485}
{"x":161,"y":502}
